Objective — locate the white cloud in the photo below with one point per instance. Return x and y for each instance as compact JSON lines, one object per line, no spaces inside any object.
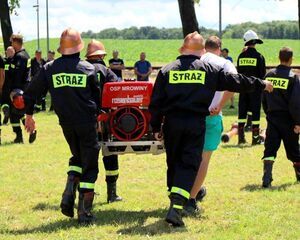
{"x":100,"y":14}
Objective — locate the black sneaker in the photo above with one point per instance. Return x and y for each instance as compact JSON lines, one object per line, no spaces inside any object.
{"x":18,"y":139}
{"x":174,"y":217}
{"x":191,"y":208}
{"x":231,"y":107}
{"x":201,"y":194}
{"x":32,"y":136}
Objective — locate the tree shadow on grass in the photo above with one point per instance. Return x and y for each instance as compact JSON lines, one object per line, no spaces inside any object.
{"x":136,"y":219}
{"x":258,"y":187}
{"x":45,"y":206}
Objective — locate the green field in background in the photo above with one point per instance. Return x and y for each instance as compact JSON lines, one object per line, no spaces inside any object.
{"x":160,"y":52}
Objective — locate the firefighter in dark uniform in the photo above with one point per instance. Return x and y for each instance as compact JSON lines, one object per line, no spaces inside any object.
{"x":250,"y":63}
{"x":20,"y":78}
{"x":282,"y":108}
{"x":36,"y":64}
{"x":73,"y":86}
{"x":95,"y":53}
{"x":182,"y":94}
{"x":10,"y":52}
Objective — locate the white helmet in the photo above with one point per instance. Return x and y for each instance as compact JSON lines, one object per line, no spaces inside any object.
{"x":250,"y":37}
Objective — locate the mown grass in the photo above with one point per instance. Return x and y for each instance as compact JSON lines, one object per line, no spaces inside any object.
{"x":33,"y":177}
{"x":160,"y":52}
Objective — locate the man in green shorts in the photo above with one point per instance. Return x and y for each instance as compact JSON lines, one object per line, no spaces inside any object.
{"x":214,"y":124}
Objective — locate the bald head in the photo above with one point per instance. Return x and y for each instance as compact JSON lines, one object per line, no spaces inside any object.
{"x":10,"y":52}
{"x":193,"y":44}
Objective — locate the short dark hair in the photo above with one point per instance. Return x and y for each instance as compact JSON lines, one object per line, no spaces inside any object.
{"x":18,"y":38}
{"x":38,"y":51}
{"x":225,"y":50}
{"x":213,"y":42}
{"x":285,"y":54}
{"x":51,"y":52}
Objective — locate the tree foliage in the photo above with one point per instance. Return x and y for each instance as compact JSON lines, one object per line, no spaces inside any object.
{"x":147,"y":32}
{"x":271,"y":30}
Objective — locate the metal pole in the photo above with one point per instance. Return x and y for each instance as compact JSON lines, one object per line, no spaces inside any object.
{"x":38,"y":23}
{"x":220,"y":19}
{"x":47,"y":20}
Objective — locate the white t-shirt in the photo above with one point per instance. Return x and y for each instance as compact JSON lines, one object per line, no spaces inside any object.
{"x":223,"y":63}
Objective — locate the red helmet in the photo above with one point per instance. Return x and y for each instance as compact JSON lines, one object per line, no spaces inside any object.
{"x":16,"y":97}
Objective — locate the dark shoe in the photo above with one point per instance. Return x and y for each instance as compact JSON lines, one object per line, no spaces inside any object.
{"x":256,"y":138}
{"x":191,"y":207}
{"x":267,"y":177}
{"x":174,"y":215}
{"x":297,"y":170}
{"x":231,"y":107}
{"x":69,"y":196}
{"x":201,"y":194}
{"x":225,"y":138}
{"x":112,"y":193}
{"x":241,"y":133}
{"x":32,"y":136}
{"x":85,"y":204}
{"x":19,"y":139}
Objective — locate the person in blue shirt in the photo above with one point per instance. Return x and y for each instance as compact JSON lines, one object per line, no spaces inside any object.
{"x":142,"y":68}
{"x":225,"y":52}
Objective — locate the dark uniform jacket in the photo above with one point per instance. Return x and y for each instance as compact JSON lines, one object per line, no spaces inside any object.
{"x":20,"y":70}
{"x":104,"y":74}
{"x":251,"y":63}
{"x":7,"y":82}
{"x":73,"y":86}
{"x":189,"y":84}
{"x":285,"y":98}
{"x":36,"y":66}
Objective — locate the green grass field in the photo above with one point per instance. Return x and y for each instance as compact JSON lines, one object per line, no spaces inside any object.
{"x":160,"y":52}
{"x":33,"y":177}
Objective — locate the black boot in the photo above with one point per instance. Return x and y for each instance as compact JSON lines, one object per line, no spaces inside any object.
{"x":201,"y":194}
{"x":256,"y":138}
{"x":241,"y":134}
{"x":191,"y":207}
{"x":174,"y":215}
{"x":69,"y":196}
{"x":297,"y":170}
{"x":112,"y":193}
{"x":19,"y":138}
{"x":85,"y":205}
{"x":32,"y":136}
{"x":267,"y":177}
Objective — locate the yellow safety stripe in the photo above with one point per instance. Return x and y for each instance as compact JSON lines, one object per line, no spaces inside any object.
{"x":69,"y":80}
{"x":181,"y":192}
{"x":29,"y":63}
{"x":112,"y":173}
{"x":249,"y":113}
{"x":242,"y":120}
{"x":87,"y":185}
{"x":269,"y":158}
{"x":255,"y":122}
{"x":4,"y":106}
{"x":281,"y":83}
{"x":247,"y":62}
{"x":177,"y":206}
{"x":6,"y":67}
{"x":75,"y":169}
{"x":15,"y":124}
{"x":189,"y":76}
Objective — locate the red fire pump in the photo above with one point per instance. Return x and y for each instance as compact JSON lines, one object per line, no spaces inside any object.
{"x":125,"y":122}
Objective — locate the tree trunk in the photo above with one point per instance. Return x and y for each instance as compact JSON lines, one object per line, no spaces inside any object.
{"x":299,"y":18}
{"x":188,"y":16}
{"x":6,"y":27}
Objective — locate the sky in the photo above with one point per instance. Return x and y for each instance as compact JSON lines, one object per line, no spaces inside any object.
{"x":96,"y":15}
